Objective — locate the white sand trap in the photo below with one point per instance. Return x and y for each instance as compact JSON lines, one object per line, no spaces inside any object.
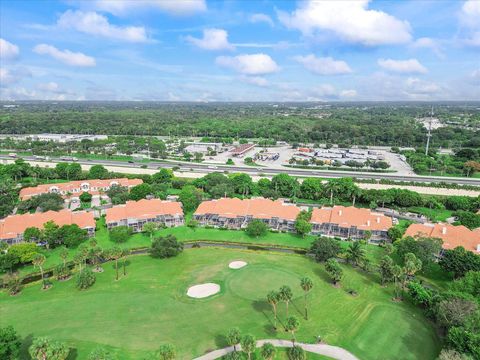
{"x":203,"y":290}
{"x":237,"y":264}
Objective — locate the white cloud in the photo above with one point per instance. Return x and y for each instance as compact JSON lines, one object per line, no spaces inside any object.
{"x":50,"y":86}
{"x":174,"y":7}
{"x":8,"y":51}
{"x":66,"y":56}
{"x":475,"y":74}
{"x":255,"y":80}
{"x":351,"y":20}
{"x":415,"y":86}
{"x":259,"y":18}
{"x":96,"y":24}
{"x":13,"y":75}
{"x":324,"y":65}
{"x":348,"y":93}
{"x":410,"y":66}
{"x":213,"y":39}
{"x":470,"y":14}
{"x":429,"y":43}
{"x":473,"y":39}
{"x":254,"y":64}
{"x":470,"y":19}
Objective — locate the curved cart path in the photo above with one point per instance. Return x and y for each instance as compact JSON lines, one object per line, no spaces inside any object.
{"x":334,"y":352}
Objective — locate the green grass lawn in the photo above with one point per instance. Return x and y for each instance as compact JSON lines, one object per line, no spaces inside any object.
{"x":433,"y":214}
{"x":148,"y":307}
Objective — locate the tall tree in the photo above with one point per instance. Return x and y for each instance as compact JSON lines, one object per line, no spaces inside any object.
{"x":272,"y":299}
{"x":233,"y":338}
{"x":248,"y":343}
{"x":150,"y":228}
{"x":267,"y":351}
{"x":386,"y":269}
{"x":38,"y":261}
{"x":292,"y":324}
{"x":286,"y":295}
{"x":334,"y":270}
{"x":115,"y":253}
{"x":306,"y":284}
{"x":355,"y":253}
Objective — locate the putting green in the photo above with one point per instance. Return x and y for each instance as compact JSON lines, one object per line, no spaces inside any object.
{"x":253,"y":281}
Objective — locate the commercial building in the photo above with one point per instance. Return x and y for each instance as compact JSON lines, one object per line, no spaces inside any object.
{"x":451,"y":235}
{"x":350,"y":222}
{"x":13,"y":226}
{"x":237,"y":214}
{"x":76,"y":188}
{"x":135,"y":214}
{"x":242,"y":149}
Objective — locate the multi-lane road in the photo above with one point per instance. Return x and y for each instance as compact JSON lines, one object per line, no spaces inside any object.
{"x":206,"y":168}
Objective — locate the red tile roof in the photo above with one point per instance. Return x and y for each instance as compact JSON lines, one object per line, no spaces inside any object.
{"x":258,"y":208}
{"x":363,"y":219}
{"x":28,"y":192}
{"x":452,"y":236}
{"x":13,"y":225}
{"x":143,"y":209}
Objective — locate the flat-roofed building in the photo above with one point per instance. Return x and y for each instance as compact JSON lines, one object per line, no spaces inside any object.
{"x":237,"y":214}
{"x":13,"y":226}
{"x":451,"y":235}
{"x":350,"y":222}
{"x":135,"y":214}
{"x":76,"y":188}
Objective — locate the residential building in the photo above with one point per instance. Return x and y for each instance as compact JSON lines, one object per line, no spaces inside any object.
{"x":350,"y":222}
{"x":13,"y":226}
{"x":74,"y":189}
{"x":237,"y":214}
{"x":451,"y":235}
{"x":137,"y":213}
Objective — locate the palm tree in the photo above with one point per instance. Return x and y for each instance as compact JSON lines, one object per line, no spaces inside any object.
{"x":125,"y":254}
{"x":150,"y":228}
{"x":398,"y":273}
{"x":63,"y":253}
{"x":296,"y":353}
{"x":355,"y":193}
{"x":355,"y":253}
{"x":233,"y":338}
{"x":272,"y":299}
{"x":268,"y":351}
{"x":248,"y":343}
{"x":286,"y":295}
{"x":115,"y":253}
{"x":292,"y":325}
{"x":38,"y":261}
{"x":306,"y":284}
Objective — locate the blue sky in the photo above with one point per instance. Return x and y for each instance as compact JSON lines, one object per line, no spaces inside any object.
{"x":194,"y":50}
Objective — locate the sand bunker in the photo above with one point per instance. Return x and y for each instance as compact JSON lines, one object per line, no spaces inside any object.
{"x":203,"y":290}
{"x":237,"y":264}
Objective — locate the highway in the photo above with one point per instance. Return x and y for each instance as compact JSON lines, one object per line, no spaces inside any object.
{"x":251,"y":170}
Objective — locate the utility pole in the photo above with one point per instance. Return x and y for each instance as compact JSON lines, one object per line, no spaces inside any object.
{"x":429,"y":133}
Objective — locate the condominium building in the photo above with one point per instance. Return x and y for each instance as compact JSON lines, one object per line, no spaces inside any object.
{"x":452,"y":236}
{"x":350,"y":222}
{"x":237,"y":214}
{"x":135,"y":214}
{"x":13,"y":226}
{"x":76,"y":188}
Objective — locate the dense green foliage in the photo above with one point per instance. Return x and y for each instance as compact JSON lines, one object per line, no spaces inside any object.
{"x":371,"y":124}
{"x":9,"y":343}
{"x":165,"y":247}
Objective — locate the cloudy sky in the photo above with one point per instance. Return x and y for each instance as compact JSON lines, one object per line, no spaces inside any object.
{"x":263,"y":50}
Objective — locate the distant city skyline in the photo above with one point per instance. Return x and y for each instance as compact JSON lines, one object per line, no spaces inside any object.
{"x":198,"y":50}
